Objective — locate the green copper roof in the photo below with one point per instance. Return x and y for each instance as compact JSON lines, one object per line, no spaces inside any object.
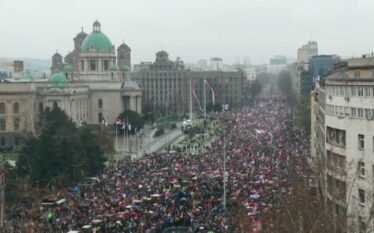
{"x":97,"y":41}
{"x":68,"y":68}
{"x":114,"y":67}
{"x":125,"y":68}
{"x":58,"y":80}
{"x":28,"y":76}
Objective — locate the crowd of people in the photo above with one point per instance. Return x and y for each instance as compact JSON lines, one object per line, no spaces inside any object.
{"x":165,"y":190}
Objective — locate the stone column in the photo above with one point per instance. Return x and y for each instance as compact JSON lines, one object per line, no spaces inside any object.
{"x":139,"y":102}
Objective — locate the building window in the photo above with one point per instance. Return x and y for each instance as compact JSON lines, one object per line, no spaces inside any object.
{"x":105,"y":65}
{"x":2,"y":141}
{"x":357,"y":73}
{"x":353,"y":91}
{"x":82,"y":64}
{"x":353,"y":112}
{"x":16,"y":108}
{"x":360,"y":91}
{"x":41,"y":107}
{"x":361,"y":195}
{"x":2,"y":124}
{"x":55,"y":104}
{"x":93,"y":66}
{"x":2,"y":108}
{"x":100,"y":103}
{"x":16,"y":123}
{"x":100,"y":117}
{"x":360,"y":113}
{"x":361,"y":142}
{"x":361,"y":169}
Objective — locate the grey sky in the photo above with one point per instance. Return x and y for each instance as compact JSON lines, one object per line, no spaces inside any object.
{"x":191,"y":29}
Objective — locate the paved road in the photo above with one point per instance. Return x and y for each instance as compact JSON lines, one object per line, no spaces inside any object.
{"x":147,"y":143}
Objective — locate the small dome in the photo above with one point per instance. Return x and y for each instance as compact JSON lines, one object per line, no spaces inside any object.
{"x":56,"y":54}
{"x":81,"y":34}
{"x":97,"y":41}
{"x":68,"y":68}
{"x":28,"y":76}
{"x":58,"y":80}
{"x":125,"y":68}
{"x":114,"y":67}
{"x":124,"y":46}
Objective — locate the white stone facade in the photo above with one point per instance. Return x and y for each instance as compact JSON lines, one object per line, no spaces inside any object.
{"x":348,"y":156}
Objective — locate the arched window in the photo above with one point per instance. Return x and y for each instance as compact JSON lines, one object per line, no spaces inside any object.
{"x":2,"y":108}
{"x":2,"y":124}
{"x":16,"y":108}
{"x":100,"y":103}
{"x":100,"y":117}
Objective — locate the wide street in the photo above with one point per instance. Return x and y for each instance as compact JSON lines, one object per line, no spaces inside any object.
{"x":161,"y":190}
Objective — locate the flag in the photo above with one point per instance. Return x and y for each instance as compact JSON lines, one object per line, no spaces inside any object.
{"x":212,"y":90}
{"x":194,"y":94}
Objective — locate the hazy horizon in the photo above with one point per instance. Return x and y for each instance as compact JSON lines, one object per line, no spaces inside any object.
{"x":238,"y":29}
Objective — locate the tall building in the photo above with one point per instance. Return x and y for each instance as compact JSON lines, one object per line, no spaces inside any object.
{"x":343,"y":142}
{"x":305,"y":53}
{"x":97,"y":90}
{"x":166,"y":86}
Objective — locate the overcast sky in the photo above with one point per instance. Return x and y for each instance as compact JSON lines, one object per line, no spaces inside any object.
{"x":191,"y":29}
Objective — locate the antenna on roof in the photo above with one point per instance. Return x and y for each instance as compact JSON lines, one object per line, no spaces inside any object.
{"x":82,"y":28}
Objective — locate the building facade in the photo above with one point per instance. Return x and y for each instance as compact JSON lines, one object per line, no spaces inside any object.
{"x":90,"y":90}
{"x":305,"y":52}
{"x":343,"y":143}
{"x":166,"y":86}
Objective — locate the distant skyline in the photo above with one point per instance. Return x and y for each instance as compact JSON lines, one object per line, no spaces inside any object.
{"x":192,"y":30}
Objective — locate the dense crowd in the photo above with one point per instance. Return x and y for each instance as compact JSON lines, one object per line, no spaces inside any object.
{"x":166,"y":190}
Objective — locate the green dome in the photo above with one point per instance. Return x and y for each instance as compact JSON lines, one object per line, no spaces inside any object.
{"x":125,"y":68}
{"x":28,"y":76}
{"x":114,"y":67}
{"x":68,"y":68}
{"x":97,"y":41}
{"x":58,"y":80}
